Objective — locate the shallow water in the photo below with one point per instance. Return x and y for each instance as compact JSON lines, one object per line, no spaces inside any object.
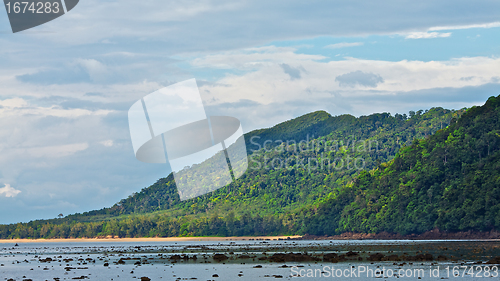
{"x":110,"y":260}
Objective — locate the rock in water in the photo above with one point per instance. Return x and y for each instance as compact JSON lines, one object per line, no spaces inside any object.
{"x":220,"y":257}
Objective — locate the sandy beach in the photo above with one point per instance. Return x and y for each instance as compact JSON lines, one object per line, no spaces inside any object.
{"x":153,"y":239}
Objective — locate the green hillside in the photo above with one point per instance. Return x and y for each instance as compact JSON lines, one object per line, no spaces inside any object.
{"x":290,"y":186}
{"x":382,"y":134}
{"x":449,"y":181}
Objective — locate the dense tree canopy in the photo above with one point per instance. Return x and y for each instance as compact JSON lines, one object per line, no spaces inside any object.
{"x":448,"y":181}
{"x":322,"y":174}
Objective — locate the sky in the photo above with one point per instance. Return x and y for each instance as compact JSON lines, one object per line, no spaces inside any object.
{"x":66,"y":86}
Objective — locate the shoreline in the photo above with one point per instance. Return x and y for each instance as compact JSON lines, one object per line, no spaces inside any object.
{"x":435,"y":234}
{"x":152,"y":239}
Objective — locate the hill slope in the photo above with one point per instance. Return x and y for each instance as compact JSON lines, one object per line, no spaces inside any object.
{"x":448,"y":181}
{"x":270,"y":197}
{"x":338,"y":137}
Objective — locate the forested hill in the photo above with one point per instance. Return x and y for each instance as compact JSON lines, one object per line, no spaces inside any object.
{"x":450,"y":181}
{"x":320,"y":123}
{"x":343,"y":135}
{"x":282,"y":192}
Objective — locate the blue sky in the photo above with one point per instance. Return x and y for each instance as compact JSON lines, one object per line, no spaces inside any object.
{"x":66,"y":86}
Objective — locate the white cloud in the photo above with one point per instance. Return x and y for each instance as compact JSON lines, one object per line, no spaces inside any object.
{"x":344,"y":45}
{"x":431,"y":32}
{"x":427,"y":35}
{"x":203,"y":25}
{"x":53,"y":111}
{"x":13,"y":89}
{"x":252,"y":58}
{"x":19,"y":107}
{"x":96,"y":70}
{"x":9,"y":191}
{"x":13,"y":103}
{"x":267,"y":83}
{"x":107,"y":143}
{"x":454,"y":27}
{"x":266,"y":95}
{"x":55,"y":151}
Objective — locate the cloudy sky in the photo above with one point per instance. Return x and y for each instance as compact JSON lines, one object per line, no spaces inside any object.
{"x":66,"y":86}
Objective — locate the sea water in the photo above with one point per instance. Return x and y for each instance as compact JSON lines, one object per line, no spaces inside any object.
{"x":246,"y":260}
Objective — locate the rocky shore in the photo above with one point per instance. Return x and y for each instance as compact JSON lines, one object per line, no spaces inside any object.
{"x":245,"y":260}
{"x":434,"y":234}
